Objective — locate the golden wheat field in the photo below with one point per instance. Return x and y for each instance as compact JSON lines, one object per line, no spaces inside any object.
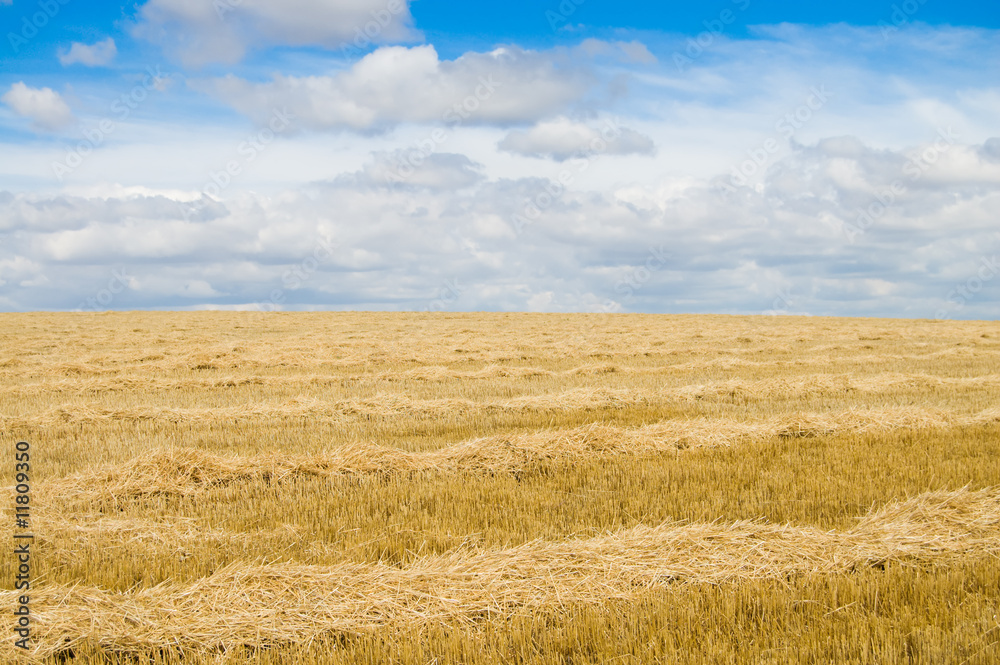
{"x":504,"y":488}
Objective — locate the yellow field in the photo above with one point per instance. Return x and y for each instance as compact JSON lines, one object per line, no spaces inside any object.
{"x":505,"y":488}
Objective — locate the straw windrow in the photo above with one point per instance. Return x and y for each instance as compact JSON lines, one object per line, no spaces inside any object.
{"x":183,"y":471}
{"x":279,"y":603}
{"x":391,"y":404}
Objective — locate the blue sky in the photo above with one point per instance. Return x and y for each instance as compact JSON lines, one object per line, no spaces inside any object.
{"x":483,"y":24}
{"x":739,"y":157}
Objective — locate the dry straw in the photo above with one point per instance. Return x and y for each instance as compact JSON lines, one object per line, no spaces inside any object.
{"x":813,"y":385}
{"x":180,"y":471}
{"x":380,"y":406}
{"x":394,"y":404}
{"x":260,"y":605}
{"x":132,"y":380}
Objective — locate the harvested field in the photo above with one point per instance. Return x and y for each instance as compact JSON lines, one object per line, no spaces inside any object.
{"x":482,"y":488}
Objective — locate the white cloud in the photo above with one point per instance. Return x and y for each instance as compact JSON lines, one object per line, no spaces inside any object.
{"x":412,"y":168}
{"x":397,"y":247}
{"x":792,"y":231}
{"x":94,"y":55}
{"x":396,"y":85}
{"x":21,"y":271}
{"x":563,"y":139}
{"x":223,"y":30}
{"x":44,"y":106}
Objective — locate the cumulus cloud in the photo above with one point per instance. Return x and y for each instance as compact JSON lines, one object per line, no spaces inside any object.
{"x":222,"y":31}
{"x":93,"y":55}
{"x":43,"y":106}
{"x":20,"y":271}
{"x":563,"y":139}
{"x":397,"y":84}
{"x":851,"y":204}
{"x":414,"y":168}
{"x":801,"y":243}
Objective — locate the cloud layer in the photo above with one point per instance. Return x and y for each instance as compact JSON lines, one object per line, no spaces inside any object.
{"x":198,"y":33}
{"x":821,"y":236}
{"x":833,"y":170}
{"x":563,"y":139}
{"x":396,"y":84}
